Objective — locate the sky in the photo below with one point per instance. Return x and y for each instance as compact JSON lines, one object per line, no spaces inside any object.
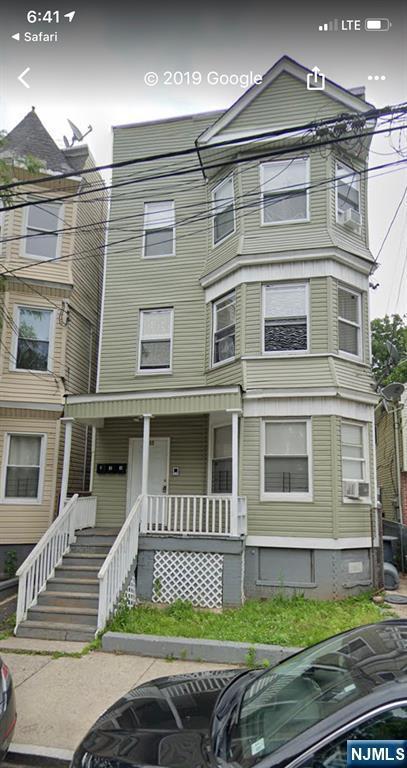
{"x":94,"y":73}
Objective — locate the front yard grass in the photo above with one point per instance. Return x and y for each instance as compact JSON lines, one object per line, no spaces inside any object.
{"x":282,"y":621}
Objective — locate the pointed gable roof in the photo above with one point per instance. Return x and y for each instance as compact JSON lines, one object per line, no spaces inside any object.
{"x":349,"y":99}
{"x":29,"y":137}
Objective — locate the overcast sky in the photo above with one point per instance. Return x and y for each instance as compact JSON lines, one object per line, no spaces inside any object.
{"x":94,"y":74}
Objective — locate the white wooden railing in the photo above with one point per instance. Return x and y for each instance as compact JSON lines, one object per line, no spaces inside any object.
{"x":115,"y":571}
{"x":194,"y":515}
{"x":40,"y":564}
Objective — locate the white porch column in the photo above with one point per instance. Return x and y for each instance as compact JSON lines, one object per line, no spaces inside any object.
{"x":235,"y":469}
{"x":68,"y":421}
{"x":145,"y":465}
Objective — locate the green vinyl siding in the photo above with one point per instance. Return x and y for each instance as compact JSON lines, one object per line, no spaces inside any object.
{"x":298,"y":372}
{"x":188,"y":451}
{"x":386,"y":463}
{"x":319,"y":315}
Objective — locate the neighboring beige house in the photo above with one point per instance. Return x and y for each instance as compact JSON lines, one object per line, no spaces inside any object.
{"x":49,"y":317}
{"x":391,"y":425}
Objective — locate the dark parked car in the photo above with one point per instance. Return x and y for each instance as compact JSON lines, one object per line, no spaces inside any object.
{"x":7,"y":709}
{"x":299,"y":713}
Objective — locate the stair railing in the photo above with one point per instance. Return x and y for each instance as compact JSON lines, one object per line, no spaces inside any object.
{"x":116,"y":569}
{"x":40,"y":564}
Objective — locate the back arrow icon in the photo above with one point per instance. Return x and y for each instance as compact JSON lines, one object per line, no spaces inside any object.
{"x":21,"y":77}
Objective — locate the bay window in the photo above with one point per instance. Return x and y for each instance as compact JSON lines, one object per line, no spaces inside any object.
{"x":42,"y":220}
{"x":284,"y":190}
{"x":159,"y":228}
{"x":224,"y":318}
{"x":223,"y":207}
{"x":349,"y":321}
{"x":285,"y":312}
{"x":287,"y":459}
{"x":32,"y":339}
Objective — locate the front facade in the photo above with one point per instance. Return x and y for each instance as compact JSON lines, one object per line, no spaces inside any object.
{"x":49,"y":317}
{"x":234,"y":388}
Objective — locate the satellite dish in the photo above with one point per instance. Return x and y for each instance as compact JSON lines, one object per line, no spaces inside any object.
{"x":75,"y":130}
{"x":66,"y":142}
{"x":393,"y":352}
{"x":393,"y":392}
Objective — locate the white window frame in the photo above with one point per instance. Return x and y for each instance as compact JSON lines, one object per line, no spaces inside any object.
{"x":366,"y":462}
{"x":150,"y":229}
{"x":358,"y":294}
{"x":285,"y":352}
{"x":6,"y":448}
{"x":216,"y":189}
{"x":214,"y":330}
{"x":155,"y":371}
{"x":352,"y":171}
{"x":294,"y":496}
{"x":14,"y":342}
{"x":59,"y":222}
{"x":306,"y":187}
{"x":211,"y":445}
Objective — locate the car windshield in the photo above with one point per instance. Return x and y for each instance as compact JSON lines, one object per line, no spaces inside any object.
{"x":312,"y":685}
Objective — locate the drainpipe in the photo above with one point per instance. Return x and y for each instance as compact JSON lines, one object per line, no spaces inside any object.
{"x":235,"y":470}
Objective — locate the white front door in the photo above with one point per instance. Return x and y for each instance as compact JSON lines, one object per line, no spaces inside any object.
{"x":157,"y":468}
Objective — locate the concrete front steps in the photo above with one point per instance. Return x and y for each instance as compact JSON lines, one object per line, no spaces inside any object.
{"x":68,"y":608}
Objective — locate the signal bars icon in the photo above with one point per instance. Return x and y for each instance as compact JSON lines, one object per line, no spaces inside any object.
{"x":330,"y":26}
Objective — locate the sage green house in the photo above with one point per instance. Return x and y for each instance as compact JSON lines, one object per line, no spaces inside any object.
{"x":234,"y":409}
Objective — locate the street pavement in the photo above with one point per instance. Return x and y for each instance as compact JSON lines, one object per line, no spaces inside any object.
{"x":58,"y":699}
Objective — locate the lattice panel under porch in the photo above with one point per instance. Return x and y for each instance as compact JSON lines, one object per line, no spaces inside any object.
{"x":193,"y":576}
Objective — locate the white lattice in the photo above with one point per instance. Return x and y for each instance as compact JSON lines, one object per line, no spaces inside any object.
{"x":130,"y":593}
{"x":193,"y":576}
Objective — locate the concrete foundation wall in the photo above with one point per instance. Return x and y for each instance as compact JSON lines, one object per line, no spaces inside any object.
{"x":22,"y":551}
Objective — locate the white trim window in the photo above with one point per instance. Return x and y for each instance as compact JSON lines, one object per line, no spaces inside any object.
{"x":42,"y":219}
{"x":285,"y":318}
{"x":32,"y":339}
{"x":223,"y":206}
{"x":221,"y":467}
{"x":354,"y":445}
{"x":156,"y":332}
{"x":286,"y":462}
{"x":159,"y":229}
{"x":349,"y":321}
{"x":224,"y":327}
{"x":284,"y":185}
{"x":23,"y":471}
{"x":347,"y":190}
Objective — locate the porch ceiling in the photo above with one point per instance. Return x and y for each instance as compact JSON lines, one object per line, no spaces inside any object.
{"x":157,"y":403}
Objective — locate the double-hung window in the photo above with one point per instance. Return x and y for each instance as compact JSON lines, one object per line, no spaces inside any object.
{"x":159,"y":228}
{"x":32,"y":339}
{"x":224,"y":318}
{"x":285,"y":310}
{"x":222,"y":460}
{"x":156,"y":330}
{"x":22,"y":478}
{"x":347,"y":191}
{"x":349,"y":321}
{"x":41,"y":238}
{"x":284,"y":190}
{"x":355,"y":474}
{"x":223,"y":210}
{"x":287,"y":460}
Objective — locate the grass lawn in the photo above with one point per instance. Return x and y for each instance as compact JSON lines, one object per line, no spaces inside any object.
{"x":283,"y":621}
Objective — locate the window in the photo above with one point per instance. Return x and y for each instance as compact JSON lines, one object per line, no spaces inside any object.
{"x":32,"y":345}
{"x":285,"y":317}
{"x":155,"y":339}
{"x":347,"y":190}
{"x":159,"y":228}
{"x":287,"y":459}
{"x":22,"y":475}
{"x":223,"y":207}
{"x":353,"y":451}
{"x":349,"y":326}
{"x":284,"y":190}
{"x":42,"y":221}
{"x":222,"y":460}
{"x":224,"y":315}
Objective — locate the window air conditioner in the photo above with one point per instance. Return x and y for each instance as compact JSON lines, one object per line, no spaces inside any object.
{"x":351,"y":489}
{"x":352,"y":219}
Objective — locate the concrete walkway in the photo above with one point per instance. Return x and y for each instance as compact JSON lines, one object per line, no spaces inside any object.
{"x":58,"y":699}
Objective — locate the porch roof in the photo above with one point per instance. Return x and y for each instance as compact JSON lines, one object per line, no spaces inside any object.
{"x":157,"y":403}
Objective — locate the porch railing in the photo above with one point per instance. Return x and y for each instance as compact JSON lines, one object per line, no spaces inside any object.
{"x":40,"y":564}
{"x":194,"y":515}
{"x":116,"y":569}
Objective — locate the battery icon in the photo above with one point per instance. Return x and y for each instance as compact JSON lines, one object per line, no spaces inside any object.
{"x":377,"y":25}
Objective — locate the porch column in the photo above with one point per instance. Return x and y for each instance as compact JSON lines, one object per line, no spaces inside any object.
{"x":144,"y":469}
{"x":68,"y":421}
{"x":235,"y":469}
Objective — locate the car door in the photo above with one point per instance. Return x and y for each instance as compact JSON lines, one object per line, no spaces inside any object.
{"x":388,"y":722}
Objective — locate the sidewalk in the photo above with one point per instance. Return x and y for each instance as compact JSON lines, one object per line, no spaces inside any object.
{"x":58,"y":699}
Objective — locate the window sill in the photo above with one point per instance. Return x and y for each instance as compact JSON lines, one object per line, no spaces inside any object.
{"x":286,"y":353}
{"x":154,"y":372}
{"x":32,"y":370}
{"x":32,"y":256}
{"x":158,"y":256}
{"x":223,"y":240}
{"x":222,"y":363}
{"x":25,"y":502}
{"x":285,"y":222}
{"x":346,"y":500}
{"x":290,"y":497}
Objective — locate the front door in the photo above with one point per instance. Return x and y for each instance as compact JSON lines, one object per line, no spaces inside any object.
{"x":157,"y":469}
